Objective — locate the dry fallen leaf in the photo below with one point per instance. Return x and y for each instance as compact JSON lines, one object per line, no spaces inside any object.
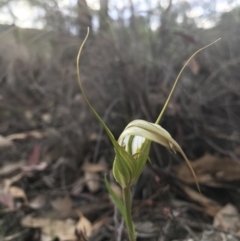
{"x":63,"y":205}
{"x":92,"y":181}
{"x":228,"y":219}
{"x":84,"y":226}
{"x":24,"y":135}
{"x":17,"y":192}
{"x":12,"y":167}
{"x":34,"y":222}
{"x":5,"y":142}
{"x":8,"y":192}
{"x":91,"y":176}
{"x":210,"y":170}
{"x":64,"y":230}
{"x":39,"y":167}
{"x":211,"y":207}
{"x":88,"y":167}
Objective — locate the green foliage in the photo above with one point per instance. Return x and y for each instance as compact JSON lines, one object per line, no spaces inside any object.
{"x":115,"y":198}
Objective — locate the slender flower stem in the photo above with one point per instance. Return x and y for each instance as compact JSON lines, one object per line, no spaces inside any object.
{"x":127,"y":200}
{"x":176,"y":81}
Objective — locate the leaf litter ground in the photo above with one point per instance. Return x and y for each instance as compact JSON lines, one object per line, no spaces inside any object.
{"x":43,"y":199}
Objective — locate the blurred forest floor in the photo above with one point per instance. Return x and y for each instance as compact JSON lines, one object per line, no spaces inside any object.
{"x":54,"y":154}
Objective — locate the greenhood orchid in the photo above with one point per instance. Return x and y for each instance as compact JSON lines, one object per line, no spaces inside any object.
{"x":132,"y":149}
{"x":136,"y":140}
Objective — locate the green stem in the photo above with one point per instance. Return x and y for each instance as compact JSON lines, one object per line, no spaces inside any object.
{"x":176,"y":81}
{"x":127,"y":200}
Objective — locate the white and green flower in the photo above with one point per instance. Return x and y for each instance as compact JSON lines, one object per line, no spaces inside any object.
{"x":135,"y":140}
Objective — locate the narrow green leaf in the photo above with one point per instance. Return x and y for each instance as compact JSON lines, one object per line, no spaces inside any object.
{"x":117,"y":201}
{"x":109,"y":133}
